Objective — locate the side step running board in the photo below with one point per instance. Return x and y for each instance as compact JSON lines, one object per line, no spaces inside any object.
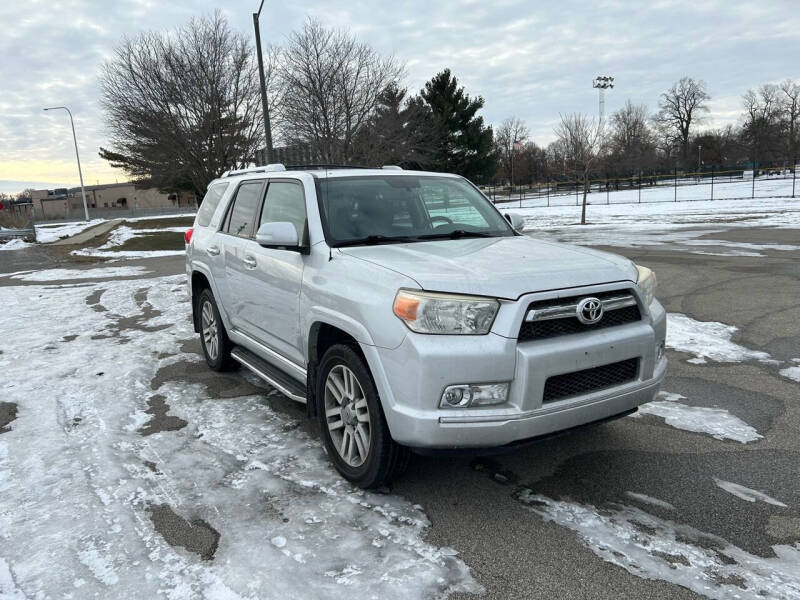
{"x":282,"y":382}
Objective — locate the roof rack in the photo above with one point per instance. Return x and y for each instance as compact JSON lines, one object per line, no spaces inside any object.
{"x":263,"y":169}
{"x":325,"y":166}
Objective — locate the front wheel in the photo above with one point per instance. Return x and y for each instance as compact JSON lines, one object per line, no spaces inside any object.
{"x":351,"y":418}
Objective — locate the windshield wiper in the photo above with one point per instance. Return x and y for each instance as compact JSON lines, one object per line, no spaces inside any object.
{"x":457,"y":233}
{"x":375,"y":239}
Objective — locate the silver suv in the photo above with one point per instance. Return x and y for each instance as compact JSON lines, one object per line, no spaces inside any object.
{"x":406,"y":312}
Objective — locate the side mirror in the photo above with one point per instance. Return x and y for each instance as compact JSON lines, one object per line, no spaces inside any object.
{"x":282,"y":234}
{"x":516,"y":221}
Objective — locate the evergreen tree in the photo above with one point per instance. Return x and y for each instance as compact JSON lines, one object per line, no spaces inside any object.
{"x":464,"y":144}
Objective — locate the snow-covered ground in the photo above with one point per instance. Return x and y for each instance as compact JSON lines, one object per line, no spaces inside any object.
{"x":707,"y":340}
{"x":52,"y":232}
{"x":655,"y":548}
{"x":716,"y":422}
{"x":122,"y":234}
{"x":79,"y":484}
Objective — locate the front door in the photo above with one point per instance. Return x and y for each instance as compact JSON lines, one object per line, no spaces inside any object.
{"x":275,"y":275}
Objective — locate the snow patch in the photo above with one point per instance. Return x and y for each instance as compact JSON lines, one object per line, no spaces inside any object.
{"x":746,"y":493}
{"x":15,"y":244}
{"x":792,"y":372}
{"x":650,"y":500}
{"x":707,"y":340}
{"x":54,"y":232}
{"x":65,"y":274}
{"x":653,"y":548}
{"x":717,"y":422}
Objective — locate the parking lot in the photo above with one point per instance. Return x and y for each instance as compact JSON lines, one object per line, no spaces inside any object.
{"x":172,"y":479}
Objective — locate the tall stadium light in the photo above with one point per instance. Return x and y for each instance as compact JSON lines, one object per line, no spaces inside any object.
{"x":603,"y":83}
{"x":78,"y":156}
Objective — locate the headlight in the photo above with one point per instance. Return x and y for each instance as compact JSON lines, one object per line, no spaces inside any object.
{"x":427,"y":312}
{"x":646,"y":281}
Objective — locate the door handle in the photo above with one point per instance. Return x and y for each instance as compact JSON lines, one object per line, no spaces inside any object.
{"x":250,"y":262}
{"x":212,"y":250}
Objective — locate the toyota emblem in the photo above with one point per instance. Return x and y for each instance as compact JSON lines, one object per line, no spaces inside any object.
{"x":589,"y":311}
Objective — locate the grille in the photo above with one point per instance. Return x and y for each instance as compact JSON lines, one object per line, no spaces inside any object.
{"x":590,"y":380}
{"x":537,"y":330}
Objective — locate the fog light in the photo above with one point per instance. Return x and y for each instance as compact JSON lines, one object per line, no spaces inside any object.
{"x":464,"y":395}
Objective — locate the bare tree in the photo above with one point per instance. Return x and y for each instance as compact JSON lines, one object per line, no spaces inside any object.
{"x":631,"y":141}
{"x":182,"y":107}
{"x":332,"y":84}
{"x":580,"y":140}
{"x":509,"y":140}
{"x":682,"y":106}
{"x":790,"y":107}
{"x":761,"y":127}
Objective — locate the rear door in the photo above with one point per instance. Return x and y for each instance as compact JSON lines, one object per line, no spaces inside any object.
{"x":274,"y":275}
{"x":236,"y":232}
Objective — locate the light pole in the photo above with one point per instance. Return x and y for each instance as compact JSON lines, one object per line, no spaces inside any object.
{"x":264,"y":102}
{"x":602,"y":83}
{"x":699,"y":149}
{"x":77,"y":156}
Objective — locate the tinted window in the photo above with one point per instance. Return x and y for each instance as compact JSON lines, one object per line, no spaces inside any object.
{"x":243,"y":213}
{"x":209,"y":204}
{"x":285,"y":202}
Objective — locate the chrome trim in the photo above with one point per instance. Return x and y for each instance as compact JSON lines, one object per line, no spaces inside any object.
{"x":269,"y":379}
{"x":271,"y":353}
{"x":563,"y":311}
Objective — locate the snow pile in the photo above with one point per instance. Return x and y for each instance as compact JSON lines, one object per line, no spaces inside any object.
{"x":745,"y":493}
{"x":707,"y":340}
{"x":77,"y":481}
{"x":654,"y":548}
{"x":717,"y":422}
{"x":70,"y":274}
{"x":792,"y":372}
{"x":51,"y":233}
{"x":649,"y":500}
{"x":15,"y":244}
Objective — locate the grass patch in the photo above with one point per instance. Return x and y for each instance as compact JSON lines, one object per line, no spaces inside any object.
{"x":168,"y":240}
{"x":161,"y":223}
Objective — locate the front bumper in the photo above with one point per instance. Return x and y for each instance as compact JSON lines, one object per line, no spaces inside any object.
{"x":412,"y":377}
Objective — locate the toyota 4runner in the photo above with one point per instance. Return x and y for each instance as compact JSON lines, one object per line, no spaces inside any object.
{"x":406,"y":312}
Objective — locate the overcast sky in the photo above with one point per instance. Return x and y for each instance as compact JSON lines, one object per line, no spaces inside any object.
{"x":532,"y":59}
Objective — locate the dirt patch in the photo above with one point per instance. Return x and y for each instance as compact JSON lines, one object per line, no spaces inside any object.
{"x":8,"y":412}
{"x":160,"y":420}
{"x":165,"y":240}
{"x":195,"y":536}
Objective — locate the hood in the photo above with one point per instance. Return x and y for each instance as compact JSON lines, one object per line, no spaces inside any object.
{"x":502,"y":267}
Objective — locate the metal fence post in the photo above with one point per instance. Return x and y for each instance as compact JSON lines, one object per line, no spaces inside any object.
{"x":712,"y":182}
{"x":640,"y":187}
{"x":794,"y":172}
{"x":548,"y":192}
{"x":576,"y":193}
{"x":753,"y":194}
{"x":675,"y":180}
{"x":608,"y":201}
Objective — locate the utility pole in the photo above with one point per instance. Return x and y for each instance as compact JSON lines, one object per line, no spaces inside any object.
{"x":264,"y":101}
{"x":602,"y":83}
{"x":77,"y":156}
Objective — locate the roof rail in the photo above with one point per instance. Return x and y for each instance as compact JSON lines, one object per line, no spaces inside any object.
{"x":325,"y":166}
{"x":392,"y":168}
{"x":263,"y":169}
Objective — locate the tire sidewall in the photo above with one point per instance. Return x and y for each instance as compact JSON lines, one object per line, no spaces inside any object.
{"x":207,"y":296}
{"x":379,"y":433}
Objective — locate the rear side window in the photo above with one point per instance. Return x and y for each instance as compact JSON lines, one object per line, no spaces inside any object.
{"x":242,"y":215}
{"x":209,"y":203}
{"x":286,"y":202}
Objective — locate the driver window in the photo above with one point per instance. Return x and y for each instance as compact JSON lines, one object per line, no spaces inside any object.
{"x":286,"y":201}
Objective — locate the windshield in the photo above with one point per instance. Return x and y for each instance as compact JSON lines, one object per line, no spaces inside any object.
{"x":404,"y":208}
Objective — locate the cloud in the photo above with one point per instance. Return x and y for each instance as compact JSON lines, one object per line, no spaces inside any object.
{"x":529,"y":59}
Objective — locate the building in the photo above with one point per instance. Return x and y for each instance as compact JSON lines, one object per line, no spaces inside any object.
{"x":66,"y":203}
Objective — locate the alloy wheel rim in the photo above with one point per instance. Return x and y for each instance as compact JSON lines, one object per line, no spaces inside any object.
{"x":210,"y":331}
{"x":347,"y":415}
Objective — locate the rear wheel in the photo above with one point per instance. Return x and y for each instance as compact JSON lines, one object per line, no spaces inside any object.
{"x":351,"y":418}
{"x":213,"y":337}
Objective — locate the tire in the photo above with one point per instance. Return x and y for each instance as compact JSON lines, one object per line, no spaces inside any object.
{"x":213,"y":337}
{"x":350,"y":408}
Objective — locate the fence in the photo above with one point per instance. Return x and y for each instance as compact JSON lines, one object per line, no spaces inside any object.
{"x":713,"y":184}
{"x":119,"y":213}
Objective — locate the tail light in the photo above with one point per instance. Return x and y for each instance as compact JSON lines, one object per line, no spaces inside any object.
{"x":188,"y":236}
